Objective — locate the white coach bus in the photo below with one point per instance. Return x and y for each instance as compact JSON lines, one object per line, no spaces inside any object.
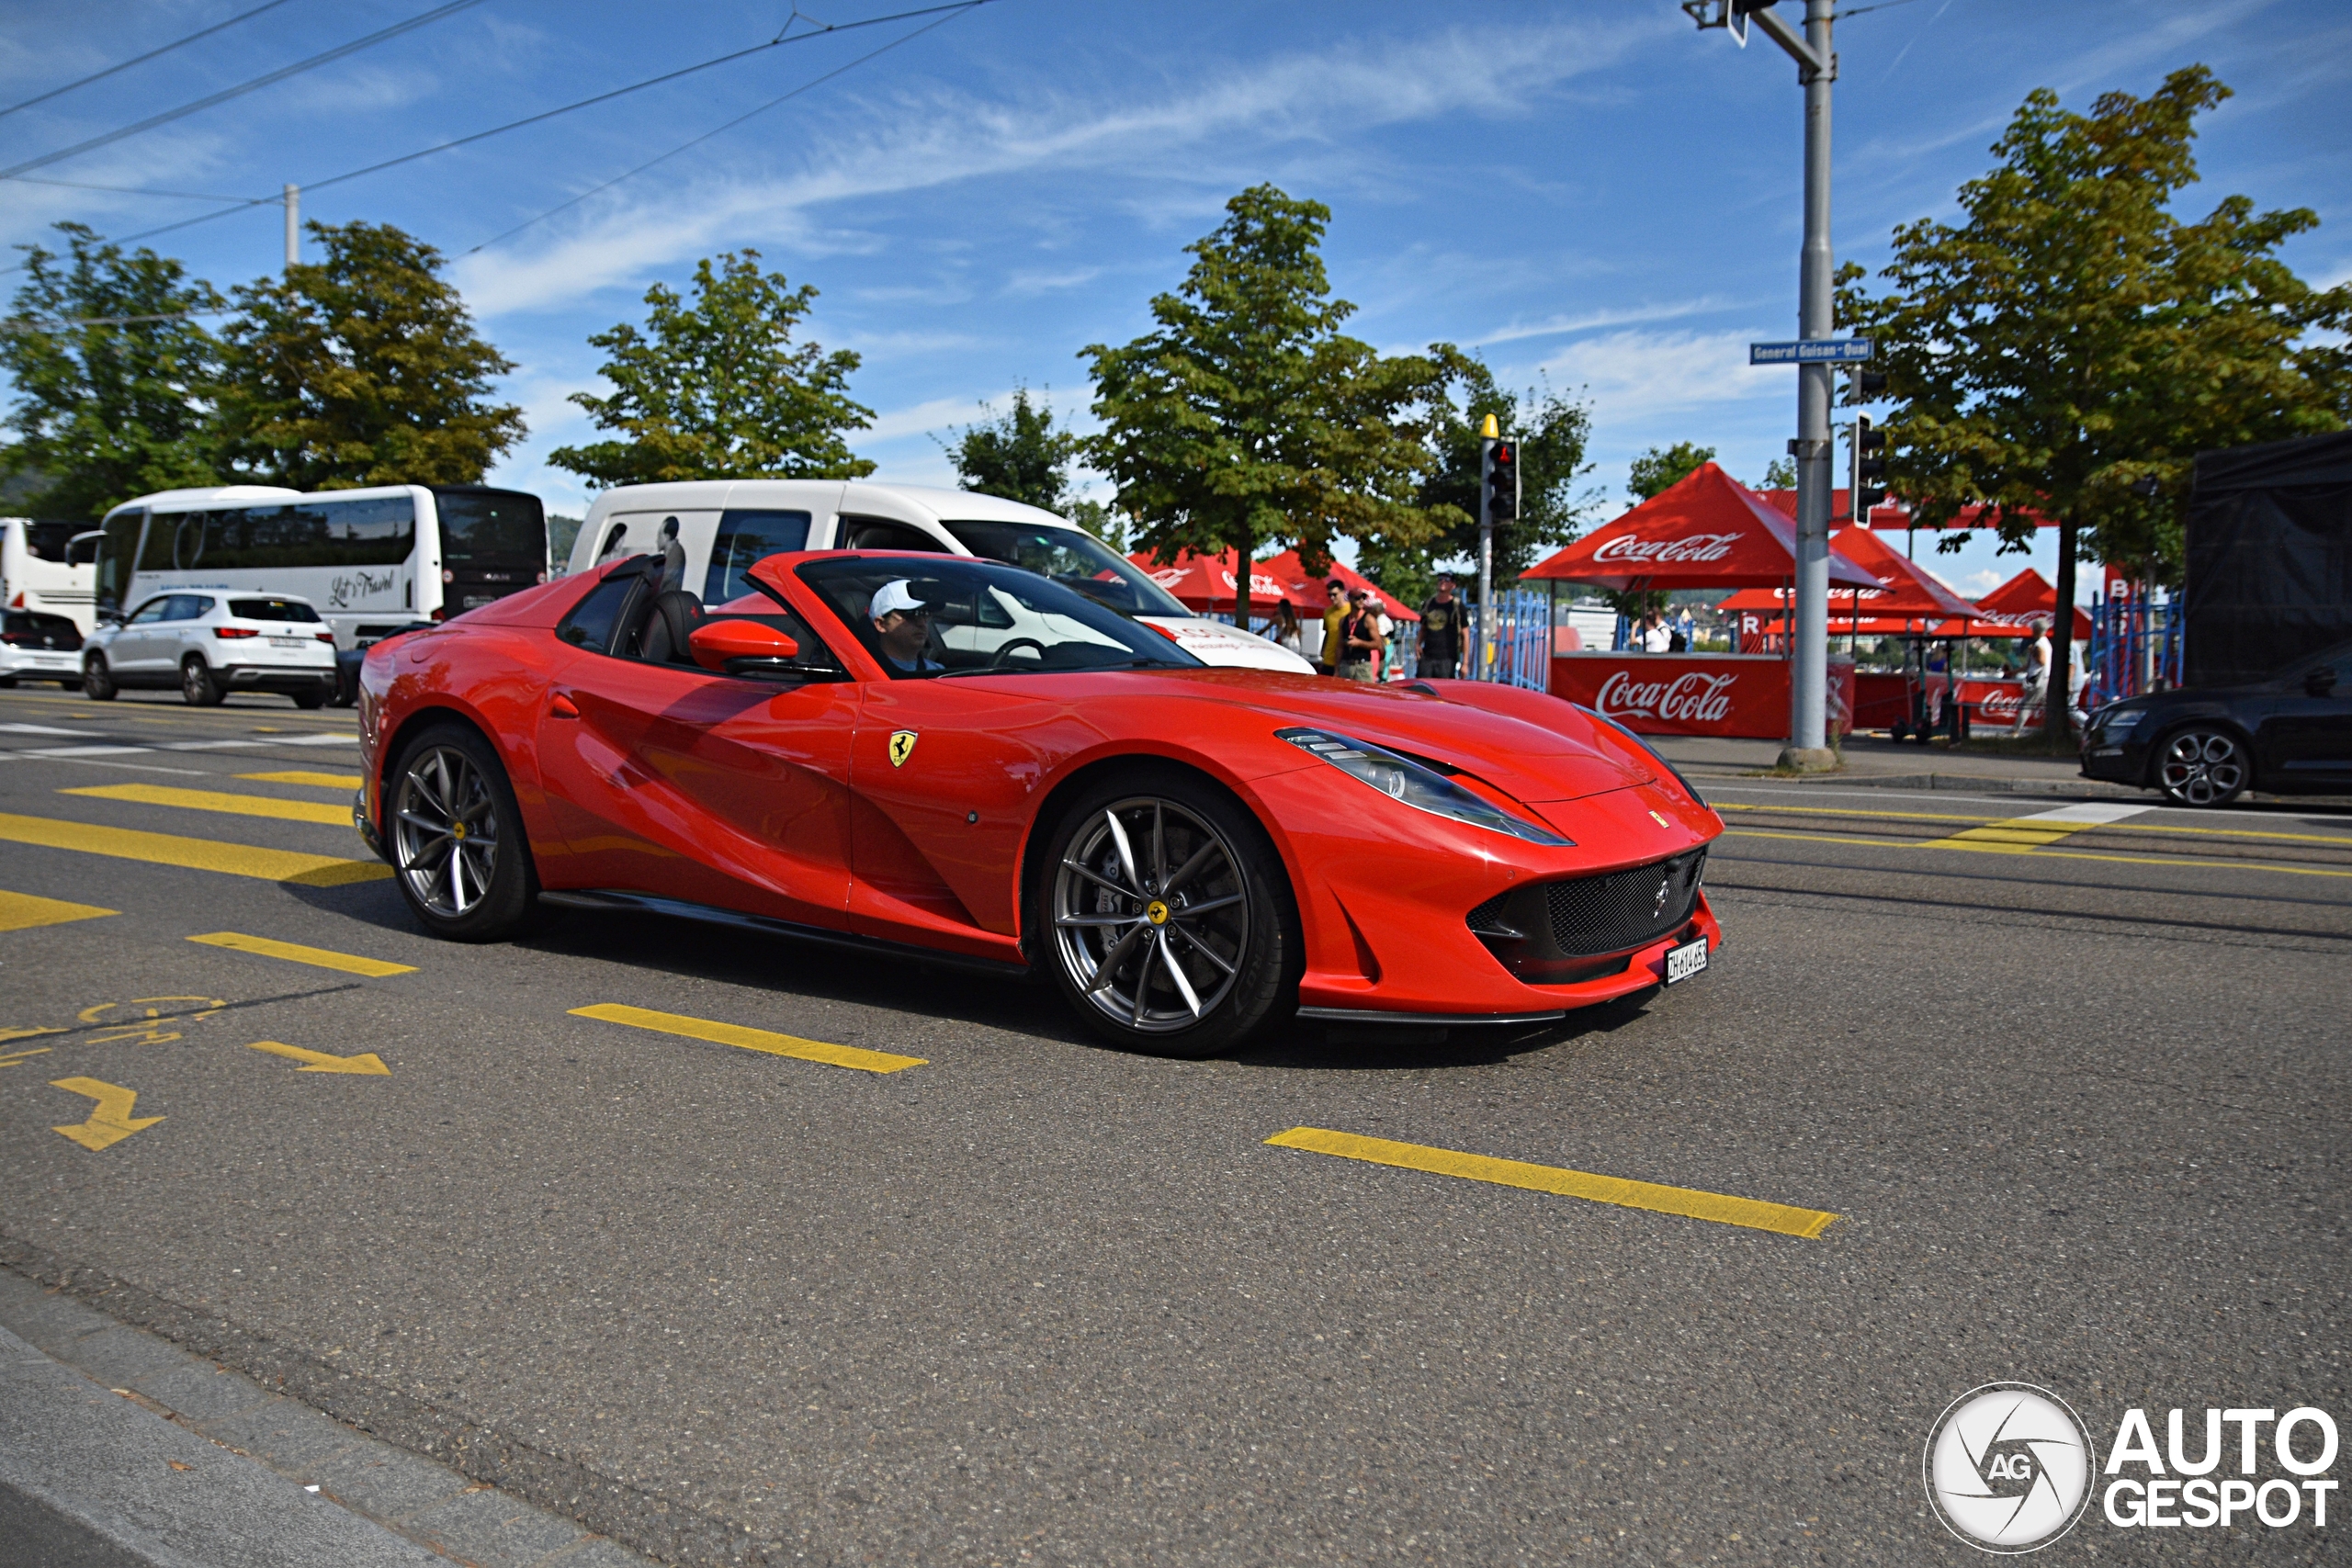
{"x":368,"y":561}
{"x":42,"y":571}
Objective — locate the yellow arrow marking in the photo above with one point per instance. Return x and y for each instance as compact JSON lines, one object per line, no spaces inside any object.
{"x":111,"y":1120}
{"x":23,"y":911}
{"x":367,"y":1063}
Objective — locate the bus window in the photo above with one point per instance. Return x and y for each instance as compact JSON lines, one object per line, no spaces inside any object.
{"x":491,"y":529}
{"x":118,"y":539}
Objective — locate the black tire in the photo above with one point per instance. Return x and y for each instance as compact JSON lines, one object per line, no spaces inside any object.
{"x":315,"y":697}
{"x":98,"y":681}
{"x":7,"y":682}
{"x":1195,"y":862}
{"x":2202,"y":766}
{"x":475,"y":884}
{"x":197,"y":688}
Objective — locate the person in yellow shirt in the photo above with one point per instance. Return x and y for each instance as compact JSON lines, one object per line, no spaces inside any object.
{"x":1328,"y":659}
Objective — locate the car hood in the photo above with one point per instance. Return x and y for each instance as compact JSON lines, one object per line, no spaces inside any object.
{"x":1214,"y":642}
{"x":1530,"y":761}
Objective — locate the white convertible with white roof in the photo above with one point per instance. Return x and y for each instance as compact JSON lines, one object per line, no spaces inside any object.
{"x":724,"y":525}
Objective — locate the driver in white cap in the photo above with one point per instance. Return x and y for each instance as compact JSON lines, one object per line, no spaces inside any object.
{"x":902,"y":622}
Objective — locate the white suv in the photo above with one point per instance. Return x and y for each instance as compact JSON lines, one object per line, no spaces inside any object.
{"x":211,"y":644}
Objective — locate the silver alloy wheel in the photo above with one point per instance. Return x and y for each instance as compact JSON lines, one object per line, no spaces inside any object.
{"x":444,"y":830}
{"x":1152,"y":915}
{"x":2203,"y":767}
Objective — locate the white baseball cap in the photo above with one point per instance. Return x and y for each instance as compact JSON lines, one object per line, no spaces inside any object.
{"x":898,"y":594}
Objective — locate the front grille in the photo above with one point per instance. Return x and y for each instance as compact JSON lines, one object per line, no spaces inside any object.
{"x":1608,"y":914}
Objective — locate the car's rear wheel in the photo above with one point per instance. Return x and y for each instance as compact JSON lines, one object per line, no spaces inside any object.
{"x":1167,"y":917}
{"x":459,"y":853}
{"x":198,"y":687}
{"x":312,"y":697}
{"x":98,"y":681}
{"x":2202,"y":766}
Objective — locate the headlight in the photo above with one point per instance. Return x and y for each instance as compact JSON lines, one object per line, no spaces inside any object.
{"x":2118,"y":724}
{"x":1408,"y":782}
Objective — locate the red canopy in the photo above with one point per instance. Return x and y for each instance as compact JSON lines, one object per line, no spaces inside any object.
{"x":1894,"y":516}
{"x":1706,"y":531}
{"x":1904,"y":591}
{"x":1306,"y":587}
{"x":2011,"y":609}
{"x":1208,"y":583}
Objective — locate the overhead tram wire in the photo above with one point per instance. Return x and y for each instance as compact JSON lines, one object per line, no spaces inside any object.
{"x":814,"y":82}
{"x":143,"y":59}
{"x":133,"y":190}
{"x":242,"y":88}
{"x":780,"y":40}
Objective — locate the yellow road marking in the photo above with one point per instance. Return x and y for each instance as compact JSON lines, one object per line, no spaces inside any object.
{"x":10,"y":1058}
{"x":218,"y":800}
{"x":197,"y":854}
{"x":367,"y":1063}
{"x":295,"y":952}
{"x":2342,"y":840}
{"x":1851,"y":811}
{"x":22,"y":911}
{"x":300,"y":776}
{"x":2039,"y":855}
{"x":1687,"y":1202}
{"x":110,"y":1119}
{"x":749,"y":1039}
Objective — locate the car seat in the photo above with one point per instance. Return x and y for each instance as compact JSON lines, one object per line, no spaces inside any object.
{"x":664,"y":634}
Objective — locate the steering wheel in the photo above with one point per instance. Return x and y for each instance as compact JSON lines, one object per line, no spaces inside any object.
{"x":996,"y":661}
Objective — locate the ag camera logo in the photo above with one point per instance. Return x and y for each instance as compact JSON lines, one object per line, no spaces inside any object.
{"x":2008,"y":1468}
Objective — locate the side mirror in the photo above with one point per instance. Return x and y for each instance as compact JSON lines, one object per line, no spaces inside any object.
{"x":720,"y":645}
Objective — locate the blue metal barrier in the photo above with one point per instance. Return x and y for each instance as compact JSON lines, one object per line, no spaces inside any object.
{"x":2135,"y":649}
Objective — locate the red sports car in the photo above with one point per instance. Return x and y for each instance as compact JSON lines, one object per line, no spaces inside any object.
{"x":965,"y":762}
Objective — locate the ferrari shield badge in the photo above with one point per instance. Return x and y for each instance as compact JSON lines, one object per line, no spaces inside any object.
{"x":902,"y":746}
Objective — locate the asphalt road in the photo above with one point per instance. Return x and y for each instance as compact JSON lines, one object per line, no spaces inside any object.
{"x":2076,"y":1094}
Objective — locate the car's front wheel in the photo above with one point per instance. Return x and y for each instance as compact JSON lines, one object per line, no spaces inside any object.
{"x":459,"y":853}
{"x":2202,"y":766}
{"x":98,"y":681}
{"x":1167,"y":918}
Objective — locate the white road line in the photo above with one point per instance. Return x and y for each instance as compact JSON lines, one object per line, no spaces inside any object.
{"x":87,"y":751}
{"x":211,"y":745}
{"x":2089,"y":812}
{"x":314,"y":740}
{"x":39,"y":730}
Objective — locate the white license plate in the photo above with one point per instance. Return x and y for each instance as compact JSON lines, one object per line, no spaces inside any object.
{"x":1684,"y":962}
{"x":286,"y":642}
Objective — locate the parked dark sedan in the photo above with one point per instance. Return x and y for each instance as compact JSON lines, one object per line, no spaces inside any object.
{"x":2289,"y":735}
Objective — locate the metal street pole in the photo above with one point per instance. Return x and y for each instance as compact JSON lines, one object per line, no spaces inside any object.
{"x":1813,"y":449}
{"x":1488,"y":436}
{"x":293,"y":225}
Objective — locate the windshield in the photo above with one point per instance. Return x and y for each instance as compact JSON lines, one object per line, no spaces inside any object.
{"x":485,"y":529}
{"x":1072,"y":558}
{"x":940,"y":616}
{"x":273,"y":610}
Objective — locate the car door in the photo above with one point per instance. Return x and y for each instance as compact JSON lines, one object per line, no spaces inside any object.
{"x":135,"y":649}
{"x":672,"y":780}
{"x":184,"y":631}
{"x":2307,"y":734}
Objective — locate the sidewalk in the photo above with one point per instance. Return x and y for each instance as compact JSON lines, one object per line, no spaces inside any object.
{"x":1878,"y":763}
{"x":127,"y":1451}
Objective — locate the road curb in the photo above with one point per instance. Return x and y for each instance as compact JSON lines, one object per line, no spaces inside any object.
{"x":283,"y":1459}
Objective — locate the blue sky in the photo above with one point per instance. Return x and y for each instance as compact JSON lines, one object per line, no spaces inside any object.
{"x":1593,"y":193}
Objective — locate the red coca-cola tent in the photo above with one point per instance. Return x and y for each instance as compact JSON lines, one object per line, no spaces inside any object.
{"x":1706,"y":531}
{"x":1904,"y":589}
{"x":2011,"y":609}
{"x":1208,"y":583}
{"x":1306,"y":587}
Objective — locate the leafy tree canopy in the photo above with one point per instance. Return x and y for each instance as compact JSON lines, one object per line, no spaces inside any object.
{"x":1019,"y":455}
{"x":361,"y":369}
{"x":115,"y":379}
{"x":1550,"y":431}
{"x":1247,"y":418}
{"x":716,"y":388}
{"x":1659,"y":469}
{"x":2072,"y":336}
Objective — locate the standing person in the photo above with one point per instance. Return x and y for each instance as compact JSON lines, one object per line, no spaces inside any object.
{"x":673,"y":556}
{"x":1358,"y":639}
{"x":1388,"y":630}
{"x":1335,"y":612}
{"x":1655,"y":639}
{"x":1442,"y":632}
{"x":2037,"y":679}
{"x":1286,"y":627}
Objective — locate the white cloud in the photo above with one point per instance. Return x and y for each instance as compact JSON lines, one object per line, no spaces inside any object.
{"x":1560,"y":326}
{"x":921,"y":419}
{"x":945,"y":137}
{"x":1635,"y":374}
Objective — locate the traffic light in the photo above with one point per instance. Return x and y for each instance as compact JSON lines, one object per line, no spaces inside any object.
{"x":1865,"y":385}
{"x":1502,"y":483}
{"x":1869,"y":486}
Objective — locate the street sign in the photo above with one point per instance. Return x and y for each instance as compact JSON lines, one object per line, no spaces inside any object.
{"x":1812,"y":351}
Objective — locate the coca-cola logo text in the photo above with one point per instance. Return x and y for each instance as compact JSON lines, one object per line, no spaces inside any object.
{"x":1695,"y":698}
{"x":1689,"y":547}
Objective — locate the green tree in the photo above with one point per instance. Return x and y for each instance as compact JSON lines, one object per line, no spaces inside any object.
{"x":1781,"y":473}
{"x":115,"y":379}
{"x":1247,"y":418}
{"x":2072,"y":336}
{"x":717,"y":389}
{"x":1659,"y":469}
{"x":1018,"y":456}
{"x":1551,"y":433}
{"x":361,"y":369}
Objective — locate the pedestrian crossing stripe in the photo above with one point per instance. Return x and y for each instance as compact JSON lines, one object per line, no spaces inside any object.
{"x":220,"y":800}
{"x":195,"y":854}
